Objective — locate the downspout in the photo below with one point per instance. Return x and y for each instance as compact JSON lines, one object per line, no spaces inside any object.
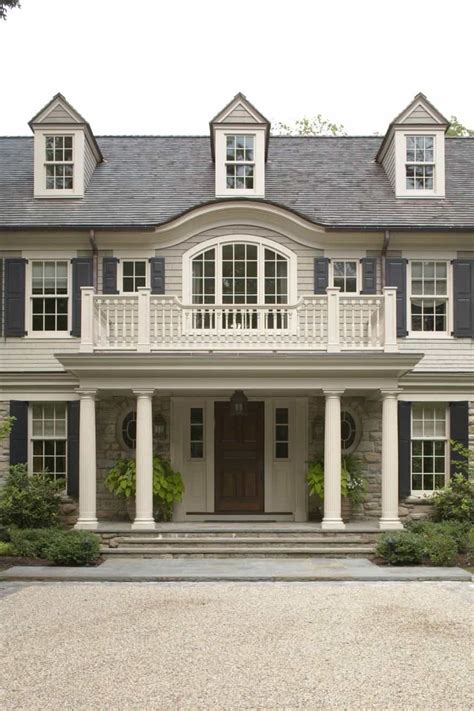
{"x":95,"y":257}
{"x":386,"y":242}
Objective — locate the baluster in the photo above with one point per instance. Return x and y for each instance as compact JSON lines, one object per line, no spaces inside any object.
{"x":369,"y":323}
{"x":362,"y":311}
{"x":377,"y":323}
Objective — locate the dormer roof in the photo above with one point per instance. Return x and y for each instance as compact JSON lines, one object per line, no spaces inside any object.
{"x":239,"y":111}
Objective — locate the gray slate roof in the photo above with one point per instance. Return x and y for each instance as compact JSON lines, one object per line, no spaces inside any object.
{"x":149,"y":180}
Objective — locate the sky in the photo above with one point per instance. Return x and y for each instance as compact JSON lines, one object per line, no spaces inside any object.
{"x":168,"y":66}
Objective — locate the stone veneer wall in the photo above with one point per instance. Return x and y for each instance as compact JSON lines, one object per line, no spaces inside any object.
{"x":4,"y":444}
{"x":109,"y":415}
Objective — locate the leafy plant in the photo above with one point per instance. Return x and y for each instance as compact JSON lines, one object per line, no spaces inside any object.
{"x":6,"y":548}
{"x":30,"y":501}
{"x":168,"y":487}
{"x":353,"y":484}
{"x":456,"y":530}
{"x":455,"y":501}
{"x":400,"y":548}
{"x":6,"y":424}
{"x":440,"y":549}
{"x":31,"y":542}
{"x":464,"y":461}
{"x":73,"y":548}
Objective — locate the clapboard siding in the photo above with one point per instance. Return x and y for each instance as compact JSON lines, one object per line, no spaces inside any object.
{"x":89,"y":163}
{"x":58,"y":115}
{"x":239,"y":115}
{"x":419,"y":115}
{"x":389,"y":163}
{"x":28,"y":355}
{"x":455,"y":355}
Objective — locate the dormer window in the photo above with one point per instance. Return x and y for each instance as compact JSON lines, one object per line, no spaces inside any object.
{"x":420,"y":162}
{"x":240,"y":162}
{"x":59,"y":165}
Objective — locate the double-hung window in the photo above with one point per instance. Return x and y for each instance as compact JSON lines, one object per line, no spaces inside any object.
{"x":429,"y":447}
{"x":240,"y":162}
{"x":134,"y":274}
{"x":345,"y":275}
{"x":49,"y":296}
{"x":429,"y":296}
{"x":49,"y":438}
{"x":420,"y":163}
{"x":59,"y":162}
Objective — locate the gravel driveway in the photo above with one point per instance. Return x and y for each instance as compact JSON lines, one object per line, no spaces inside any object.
{"x":236,"y":646}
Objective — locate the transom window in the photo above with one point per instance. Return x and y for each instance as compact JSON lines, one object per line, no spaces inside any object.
{"x":59,"y":164}
{"x":419,"y":166}
{"x":196,"y":433}
{"x":345,"y":275}
{"x":240,"y":162}
{"x":281,"y":433}
{"x":48,"y":438}
{"x":49,"y":296}
{"x":429,"y":296}
{"x":429,"y":443}
{"x":133,"y":274}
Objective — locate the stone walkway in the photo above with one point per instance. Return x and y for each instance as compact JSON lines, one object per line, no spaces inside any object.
{"x":128,"y":569}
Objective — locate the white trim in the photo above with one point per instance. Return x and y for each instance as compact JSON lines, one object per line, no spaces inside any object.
{"x":120,"y":262}
{"x":449,"y":299}
{"x":29,"y":296}
{"x":220,"y":137}
{"x":401,"y":190}
{"x":358,"y":262}
{"x":78,"y":135}
{"x":428,"y":493}
{"x":31,"y":438}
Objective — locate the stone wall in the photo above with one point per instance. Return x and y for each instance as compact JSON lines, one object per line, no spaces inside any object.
{"x":4,"y":444}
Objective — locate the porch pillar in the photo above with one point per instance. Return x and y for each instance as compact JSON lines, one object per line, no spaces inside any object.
{"x":144,"y":461}
{"x":87,"y":461}
{"x":332,"y":461}
{"x":389,"y":519}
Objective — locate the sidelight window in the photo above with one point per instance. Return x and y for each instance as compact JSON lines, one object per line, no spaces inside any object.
{"x":281,"y":433}
{"x":196,"y":433}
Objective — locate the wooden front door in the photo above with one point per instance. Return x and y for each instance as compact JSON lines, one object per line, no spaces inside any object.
{"x":239,"y":459}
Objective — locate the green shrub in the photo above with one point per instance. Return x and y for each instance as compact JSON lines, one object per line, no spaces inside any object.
{"x":30,"y":501}
{"x":400,"y":548}
{"x":456,"y":530}
{"x":6,"y":548}
{"x":31,"y":542}
{"x":440,"y":549}
{"x":455,"y":502}
{"x":73,"y":548}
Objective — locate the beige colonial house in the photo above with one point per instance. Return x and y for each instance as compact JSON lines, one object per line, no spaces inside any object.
{"x":238,"y":302}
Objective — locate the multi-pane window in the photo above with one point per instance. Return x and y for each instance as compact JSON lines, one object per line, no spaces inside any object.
{"x":429,"y":443}
{"x":49,"y":296}
{"x":133,"y":274}
{"x":276,"y":278}
{"x":429,"y":296}
{"x":345,"y":275}
{"x":196,"y":433}
{"x":204,"y":278}
{"x":281,"y":433}
{"x":49,"y":437}
{"x":59,"y":163}
{"x":240,"y":162}
{"x":239,"y":274}
{"x":419,"y":166}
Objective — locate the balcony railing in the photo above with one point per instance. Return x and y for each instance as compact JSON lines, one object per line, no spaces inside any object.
{"x":331,"y":322}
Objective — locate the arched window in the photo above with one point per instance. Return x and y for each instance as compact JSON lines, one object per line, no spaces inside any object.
{"x":241,"y":272}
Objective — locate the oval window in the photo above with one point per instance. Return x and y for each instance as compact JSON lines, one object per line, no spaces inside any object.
{"x":348,"y":431}
{"x":129,"y":430}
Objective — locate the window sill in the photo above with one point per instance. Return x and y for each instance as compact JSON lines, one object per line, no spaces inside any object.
{"x":420,"y":499}
{"x":430,"y":335}
{"x":58,"y":335}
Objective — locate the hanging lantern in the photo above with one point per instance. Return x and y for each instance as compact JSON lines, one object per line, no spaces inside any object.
{"x":159,"y":424}
{"x":238,"y":404}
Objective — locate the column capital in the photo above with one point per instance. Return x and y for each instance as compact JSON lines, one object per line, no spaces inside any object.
{"x":86,"y":393}
{"x":332,"y":392}
{"x":144,"y":392}
{"x":390,"y":393}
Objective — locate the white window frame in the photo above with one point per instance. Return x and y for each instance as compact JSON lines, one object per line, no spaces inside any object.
{"x":262,"y":244}
{"x":400,"y":143}
{"x":422,"y":164}
{"x":79,"y":150}
{"x":275,"y":440}
{"x":236,"y":162}
{"x":29,"y":295}
{"x":59,"y":162}
{"x":189,"y":441}
{"x":428,"y":493}
{"x":448,"y":297}
{"x":120,"y":272}
{"x":32,"y":438}
{"x":220,"y":136}
{"x":358,"y":273}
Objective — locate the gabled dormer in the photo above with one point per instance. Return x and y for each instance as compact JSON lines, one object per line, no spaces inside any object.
{"x":65,"y":151}
{"x":412,"y":151}
{"x":239,"y":145}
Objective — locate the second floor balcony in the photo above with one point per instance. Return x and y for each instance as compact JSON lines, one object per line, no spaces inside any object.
{"x":331,"y":322}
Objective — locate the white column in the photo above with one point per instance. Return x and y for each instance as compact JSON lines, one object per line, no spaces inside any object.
{"x":332,"y":462}
{"x":144,"y":458}
{"x":389,"y":519}
{"x":87,"y":461}
{"x":144,"y":319}
{"x":87,"y":319}
{"x":390,"y":319}
{"x":334,"y":341}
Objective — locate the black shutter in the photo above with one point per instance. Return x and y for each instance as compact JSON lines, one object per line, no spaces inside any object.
{"x":15,"y":284}
{"x":82,"y":275}
{"x":321,"y":275}
{"x":396,"y":275}
{"x":19,"y":432}
{"x":404,"y":449}
{"x":73,"y":447}
{"x":459,"y":430}
{"x":463,"y":289}
{"x":157,"y":275}
{"x":369,"y":275}
{"x":109,"y":275}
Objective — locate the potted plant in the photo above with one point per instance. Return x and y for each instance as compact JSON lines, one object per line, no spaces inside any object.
{"x":168,"y":486}
{"x":353,"y":483}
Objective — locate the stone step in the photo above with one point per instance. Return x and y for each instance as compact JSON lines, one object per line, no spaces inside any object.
{"x":234,"y":540}
{"x":237,"y":551}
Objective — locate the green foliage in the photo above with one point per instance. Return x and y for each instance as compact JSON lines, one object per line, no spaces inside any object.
{"x":457,"y":129}
{"x":353,"y":484}
{"x":465,"y":464}
{"x":6,"y":424}
{"x":455,"y":502}
{"x":30,"y":501}
{"x":55,"y":545}
{"x":400,"y":548}
{"x":440,"y":549}
{"x":456,"y":530}
{"x":5,"y":548}
{"x":309,"y":126}
{"x":6,"y":5}
{"x":168,"y":484}
{"x":32,"y":542}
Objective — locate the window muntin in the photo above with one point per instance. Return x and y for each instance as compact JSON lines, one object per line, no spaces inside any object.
{"x":196,"y":433}
{"x":240,"y":162}
{"x":239,"y":274}
{"x":429,"y":445}
{"x":134,"y":274}
{"x":59,"y":165}
{"x":429,"y":296}
{"x":420,"y":164}
{"x":49,"y":296}
{"x":129,"y":430}
{"x":49,"y":438}
{"x":204,"y":278}
{"x":281,"y":433}
{"x":345,"y":275}
{"x":348,"y":430}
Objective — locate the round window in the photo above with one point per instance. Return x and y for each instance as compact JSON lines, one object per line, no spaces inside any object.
{"x":348,"y":431}
{"x":129,"y":430}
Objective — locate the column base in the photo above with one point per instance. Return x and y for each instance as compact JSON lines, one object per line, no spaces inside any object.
{"x":390,"y":524}
{"x":87,"y":524}
{"x":143,"y":524}
{"x":333,"y":524}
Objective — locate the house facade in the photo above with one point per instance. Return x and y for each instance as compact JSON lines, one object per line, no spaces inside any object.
{"x":238,"y":303}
